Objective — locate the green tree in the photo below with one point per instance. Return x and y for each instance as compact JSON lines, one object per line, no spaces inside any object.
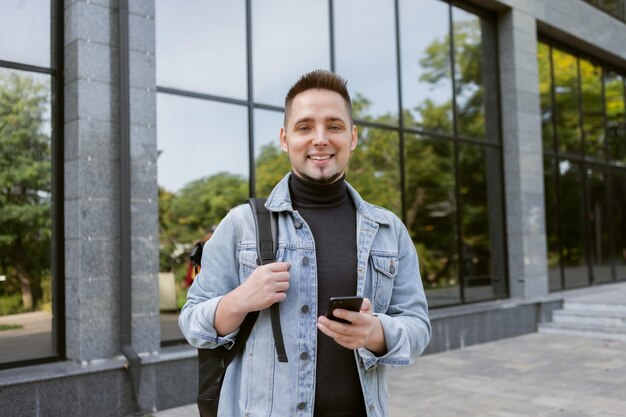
{"x":25,"y":180}
{"x":191,"y":214}
{"x":271,"y":166}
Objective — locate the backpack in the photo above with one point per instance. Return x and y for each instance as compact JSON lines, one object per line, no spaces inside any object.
{"x":212,"y":363}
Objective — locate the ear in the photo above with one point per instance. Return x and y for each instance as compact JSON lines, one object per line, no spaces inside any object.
{"x":283,"y":140}
{"x":355,"y":137}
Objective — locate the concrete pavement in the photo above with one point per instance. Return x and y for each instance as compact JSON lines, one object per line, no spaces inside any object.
{"x":534,"y":375}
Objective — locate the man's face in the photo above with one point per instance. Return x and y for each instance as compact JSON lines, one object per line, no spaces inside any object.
{"x":318,"y":136}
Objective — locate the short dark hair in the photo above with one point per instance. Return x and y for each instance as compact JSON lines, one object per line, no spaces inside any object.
{"x":319,"y":79}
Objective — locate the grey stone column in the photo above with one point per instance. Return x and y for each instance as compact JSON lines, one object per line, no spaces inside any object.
{"x":146,"y":330}
{"x":92,"y":214}
{"x":523,"y":166}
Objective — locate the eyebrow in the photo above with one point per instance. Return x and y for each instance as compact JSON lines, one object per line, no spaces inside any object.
{"x":311,"y":119}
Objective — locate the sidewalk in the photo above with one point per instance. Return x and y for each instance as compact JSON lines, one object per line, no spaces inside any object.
{"x":535,"y":375}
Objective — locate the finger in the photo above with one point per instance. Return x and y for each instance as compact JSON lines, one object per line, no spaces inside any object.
{"x":281,"y":276}
{"x":336,"y":327}
{"x":324,"y":325}
{"x":344,"y":314}
{"x":278,"y":266}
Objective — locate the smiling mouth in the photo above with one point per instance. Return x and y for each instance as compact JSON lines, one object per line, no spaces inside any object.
{"x":320,"y":157}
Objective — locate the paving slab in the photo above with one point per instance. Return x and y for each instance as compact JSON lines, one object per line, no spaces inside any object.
{"x":535,"y":375}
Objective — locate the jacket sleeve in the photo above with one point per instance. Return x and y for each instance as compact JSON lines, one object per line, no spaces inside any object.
{"x":218,"y":276}
{"x":405,"y":323}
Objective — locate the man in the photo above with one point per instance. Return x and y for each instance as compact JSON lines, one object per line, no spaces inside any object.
{"x":331,"y":243}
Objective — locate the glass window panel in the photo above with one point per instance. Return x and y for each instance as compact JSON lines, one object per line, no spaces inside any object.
{"x":426,"y":68}
{"x":26,"y":300}
{"x":365,"y":52}
{"x":618,"y":195}
{"x":566,"y":101}
{"x":270,"y":161}
{"x":25,"y":32}
{"x":482,"y":256}
{"x":201,"y":46}
{"x":572,"y":229}
{"x":545,"y":94}
{"x":469,"y":73}
{"x":593,"y":108}
{"x":283,"y":51}
{"x":615,"y":117}
{"x":202,"y":174}
{"x":431,"y":215}
{"x":375,"y":168}
{"x":600,"y":227}
{"x":552,"y":227}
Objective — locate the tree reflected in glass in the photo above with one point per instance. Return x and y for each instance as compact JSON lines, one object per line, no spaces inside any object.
{"x":375,"y":169}
{"x":468,"y":74}
{"x":593,"y":108}
{"x":431,"y":215}
{"x":615,"y":117}
{"x":482,"y":253}
{"x":545,"y":95}
{"x":566,"y":101}
{"x":426,"y":66}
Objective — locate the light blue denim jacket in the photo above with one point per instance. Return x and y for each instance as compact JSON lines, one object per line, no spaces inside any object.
{"x":256,"y":384}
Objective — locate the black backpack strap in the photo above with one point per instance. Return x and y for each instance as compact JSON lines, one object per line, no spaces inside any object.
{"x":242,"y":337}
{"x":267,"y":244}
{"x":196,"y":255}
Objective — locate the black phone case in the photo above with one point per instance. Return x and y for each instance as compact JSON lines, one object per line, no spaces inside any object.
{"x":346,"y":303}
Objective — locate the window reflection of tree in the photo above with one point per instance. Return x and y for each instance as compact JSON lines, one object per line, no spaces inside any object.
{"x":25,"y":193}
{"x":566,"y":115}
{"x":545,"y":94}
{"x":615,"y":117}
{"x":374,"y":168}
{"x":431,"y":209}
{"x":593,"y":109}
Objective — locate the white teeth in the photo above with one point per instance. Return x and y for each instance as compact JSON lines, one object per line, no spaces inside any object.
{"x":319,"y":157}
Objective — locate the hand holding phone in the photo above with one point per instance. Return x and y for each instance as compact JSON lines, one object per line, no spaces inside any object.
{"x":346,"y":303}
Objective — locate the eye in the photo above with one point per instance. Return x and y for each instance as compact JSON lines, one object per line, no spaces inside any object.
{"x":302,"y":129}
{"x":334,"y":127}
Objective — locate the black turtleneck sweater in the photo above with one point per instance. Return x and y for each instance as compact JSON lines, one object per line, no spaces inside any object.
{"x":331,"y":216}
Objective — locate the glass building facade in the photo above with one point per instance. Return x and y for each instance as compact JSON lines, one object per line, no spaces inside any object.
{"x":496,"y":130}
{"x":584,"y":142}
{"x":425,"y":103}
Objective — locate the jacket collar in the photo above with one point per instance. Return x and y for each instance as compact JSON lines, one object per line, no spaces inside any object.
{"x":280,"y":200}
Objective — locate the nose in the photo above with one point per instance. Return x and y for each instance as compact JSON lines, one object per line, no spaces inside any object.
{"x":320,"y":138}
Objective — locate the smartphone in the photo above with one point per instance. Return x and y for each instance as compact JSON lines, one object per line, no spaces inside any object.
{"x":346,"y":303}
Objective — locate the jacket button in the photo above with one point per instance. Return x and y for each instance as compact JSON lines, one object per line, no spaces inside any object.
{"x":304,"y":356}
{"x":305,"y":261}
{"x":392,"y":269}
{"x":301,"y":406}
{"x":297,"y":224}
{"x":304,"y":308}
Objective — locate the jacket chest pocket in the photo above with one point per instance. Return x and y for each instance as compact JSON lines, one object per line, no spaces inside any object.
{"x":248,"y":261}
{"x":385,"y":268}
